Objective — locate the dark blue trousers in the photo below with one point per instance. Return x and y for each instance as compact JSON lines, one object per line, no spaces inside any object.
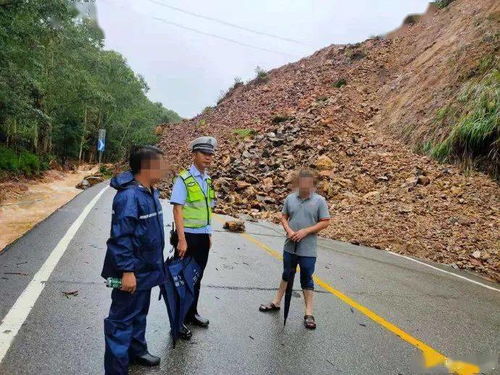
{"x":125,"y":330}
{"x":307,"y":265}
{"x":198,"y":248}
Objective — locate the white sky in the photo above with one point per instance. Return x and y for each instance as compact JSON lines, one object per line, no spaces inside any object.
{"x":186,"y":71}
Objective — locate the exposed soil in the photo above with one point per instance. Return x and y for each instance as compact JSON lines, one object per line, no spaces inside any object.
{"x":355,"y":113}
{"x":27,"y":202}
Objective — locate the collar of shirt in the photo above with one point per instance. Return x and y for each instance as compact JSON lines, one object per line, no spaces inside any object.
{"x":304,"y":199}
{"x":196,"y":173}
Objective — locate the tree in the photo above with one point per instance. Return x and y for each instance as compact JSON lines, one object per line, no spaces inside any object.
{"x":58,"y":85}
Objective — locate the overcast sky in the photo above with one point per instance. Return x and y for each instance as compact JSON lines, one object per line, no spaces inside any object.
{"x":186,"y":70}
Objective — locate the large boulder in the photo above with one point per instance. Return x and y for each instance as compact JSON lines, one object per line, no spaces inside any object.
{"x":324,"y":163}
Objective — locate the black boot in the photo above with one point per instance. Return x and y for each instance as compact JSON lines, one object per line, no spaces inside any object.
{"x":147,"y":360}
{"x":185,"y":333}
{"x":198,"y":320}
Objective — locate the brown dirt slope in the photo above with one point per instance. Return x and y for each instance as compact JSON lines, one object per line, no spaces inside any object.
{"x":381,"y":192}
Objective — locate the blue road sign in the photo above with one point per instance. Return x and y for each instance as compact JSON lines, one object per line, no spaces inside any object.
{"x":101,"y":145}
{"x":101,"y":141}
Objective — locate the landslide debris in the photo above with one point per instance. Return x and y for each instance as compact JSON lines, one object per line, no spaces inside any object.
{"x":330,"y":112}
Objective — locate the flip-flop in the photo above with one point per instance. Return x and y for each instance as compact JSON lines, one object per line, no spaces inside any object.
{"x":309,"y":322}
{"x":269,"y":307}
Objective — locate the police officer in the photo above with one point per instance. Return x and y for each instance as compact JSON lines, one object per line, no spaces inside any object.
{"x":135,"y":255}
{"x":193,"y":198}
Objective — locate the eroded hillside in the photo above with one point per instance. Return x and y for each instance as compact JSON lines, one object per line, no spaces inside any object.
{"x":342,"y":111}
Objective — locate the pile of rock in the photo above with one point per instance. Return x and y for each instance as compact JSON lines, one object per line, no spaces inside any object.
{"x":381,"y":193}
{"x":91,"y":180}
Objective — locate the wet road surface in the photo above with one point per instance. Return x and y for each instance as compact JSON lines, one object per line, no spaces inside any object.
{"x":377,"y":313}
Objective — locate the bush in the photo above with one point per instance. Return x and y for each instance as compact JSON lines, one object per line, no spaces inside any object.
{"x":411,"y":19}
{"x":243,"y":133}
{"x":24,"y":162}
{"x":105,"y":171}
{"x":442,"y":3}
{"x":341,"y":82}
{"x":8,"y":159}
{"x":262,"y":75}
{"x":29,"y":163}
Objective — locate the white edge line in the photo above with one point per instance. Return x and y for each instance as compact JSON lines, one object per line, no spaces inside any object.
{"x":448,"y":272}
{"x":15,"y":318}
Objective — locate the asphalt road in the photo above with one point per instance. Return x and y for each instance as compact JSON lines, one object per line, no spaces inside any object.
{"x":377,"y":313}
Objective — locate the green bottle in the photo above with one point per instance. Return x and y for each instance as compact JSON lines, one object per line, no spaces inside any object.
{"x":114,"y":282}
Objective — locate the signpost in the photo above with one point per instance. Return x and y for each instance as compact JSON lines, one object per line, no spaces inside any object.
{"x":101,"y":143}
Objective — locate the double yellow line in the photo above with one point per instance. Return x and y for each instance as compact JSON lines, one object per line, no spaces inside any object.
{"x":431,"y":356}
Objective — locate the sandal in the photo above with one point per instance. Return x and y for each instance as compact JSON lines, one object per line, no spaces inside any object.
{"x":269,"y":307}
{"x":309,"y":322}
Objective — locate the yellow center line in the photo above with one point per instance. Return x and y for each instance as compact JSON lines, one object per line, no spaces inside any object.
{"x":431,"y":356}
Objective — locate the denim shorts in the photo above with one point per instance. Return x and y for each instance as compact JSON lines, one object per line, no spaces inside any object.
{"x":307,"y":264}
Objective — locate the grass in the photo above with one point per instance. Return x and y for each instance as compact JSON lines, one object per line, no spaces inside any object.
{"x":485,"y":64}
{"x":476,"y":131}
{"x":243,"y":133}
{"x":23,"y":162}
{"x":341,"y":82}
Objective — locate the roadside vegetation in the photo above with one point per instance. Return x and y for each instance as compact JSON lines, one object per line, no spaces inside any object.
{"x":58,"y":86}
{"x":24,"y":162}
{"x":475,"y":134}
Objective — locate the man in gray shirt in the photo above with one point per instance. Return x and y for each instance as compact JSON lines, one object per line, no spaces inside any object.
{"x":304,"y":214}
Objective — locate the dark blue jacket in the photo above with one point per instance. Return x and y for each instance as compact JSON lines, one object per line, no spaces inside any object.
{"x":137,"y":236}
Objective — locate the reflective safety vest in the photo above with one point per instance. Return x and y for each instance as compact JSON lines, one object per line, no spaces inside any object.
{"x":197,"y":211}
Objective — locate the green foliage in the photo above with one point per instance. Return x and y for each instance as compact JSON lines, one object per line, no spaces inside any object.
{"x":441,"y":113}
{"x":105,"y":171}
{"x":262,"y":76}
{"x":484,"y":65}
{"x":243,"y":133}
{"x":476,"y":133}
{"x":58,"y":86}
{"x":339,"y":83}
{"x":442,"y":3}
{"x":23,"y":162}
{"x":9,"y":160}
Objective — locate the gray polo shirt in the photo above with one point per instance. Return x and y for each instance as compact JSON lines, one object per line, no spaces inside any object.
{"x":303,"y":213}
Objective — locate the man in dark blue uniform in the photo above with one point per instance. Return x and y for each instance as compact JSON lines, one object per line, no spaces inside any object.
{"x":134,"y":254}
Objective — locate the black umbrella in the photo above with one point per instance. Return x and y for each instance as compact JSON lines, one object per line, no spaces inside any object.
{"x":178,"y":291}
{"x":289,"y":286}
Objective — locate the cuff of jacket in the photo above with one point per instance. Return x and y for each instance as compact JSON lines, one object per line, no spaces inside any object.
{"x":130,"y":267}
